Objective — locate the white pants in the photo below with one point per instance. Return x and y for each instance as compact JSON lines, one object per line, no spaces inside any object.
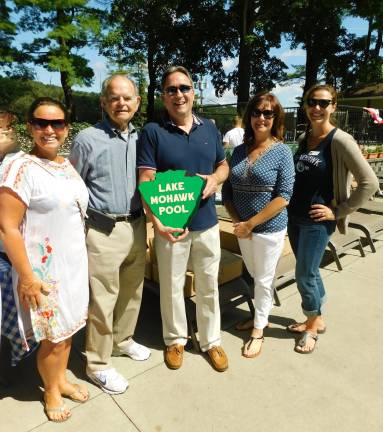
{"x":204,"y":250}
{"x":260,"y":255}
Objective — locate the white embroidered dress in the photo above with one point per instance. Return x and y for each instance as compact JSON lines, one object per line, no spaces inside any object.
{"x":53,"y":231}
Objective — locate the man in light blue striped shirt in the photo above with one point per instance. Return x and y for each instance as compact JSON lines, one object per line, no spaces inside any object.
{"x":105,"y":157}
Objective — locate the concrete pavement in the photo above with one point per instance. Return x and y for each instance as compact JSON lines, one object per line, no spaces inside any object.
{"x":337,"y":388}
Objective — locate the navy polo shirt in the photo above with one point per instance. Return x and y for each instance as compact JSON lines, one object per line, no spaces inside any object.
{"x":163,"y":146}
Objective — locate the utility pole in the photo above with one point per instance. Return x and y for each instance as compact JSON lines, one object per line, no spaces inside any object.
{"x":202,"y":85}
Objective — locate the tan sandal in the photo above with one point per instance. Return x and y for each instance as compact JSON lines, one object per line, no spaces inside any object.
{"x":248,"y":345}
{"x":80,"y":395}
{"x":58,"y":410}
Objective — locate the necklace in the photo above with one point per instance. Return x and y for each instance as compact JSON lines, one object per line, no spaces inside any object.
{"x":249,"y":162}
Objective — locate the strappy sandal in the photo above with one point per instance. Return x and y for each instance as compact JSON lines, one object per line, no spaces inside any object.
{"x":248,"y":345}
{"x":292,"y":328}
{"x":303,"y":342}
{"x":58,"y":410}
{"x":80,"y":395}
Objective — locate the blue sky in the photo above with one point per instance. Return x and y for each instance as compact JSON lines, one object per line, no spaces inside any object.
{"x":286,"y":94}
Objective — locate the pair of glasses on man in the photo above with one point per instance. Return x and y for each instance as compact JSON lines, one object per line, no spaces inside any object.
{"x":56,"y":124}
{"x":173,"y":90}
{"x":323,"y":103}
{"x":267,"y":114}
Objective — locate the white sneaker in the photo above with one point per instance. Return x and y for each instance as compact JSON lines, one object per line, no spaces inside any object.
{"x":109,"y":380}
{"x":134,"y":350}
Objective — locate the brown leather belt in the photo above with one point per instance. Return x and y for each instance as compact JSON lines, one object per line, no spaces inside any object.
{"x":129,"y":217}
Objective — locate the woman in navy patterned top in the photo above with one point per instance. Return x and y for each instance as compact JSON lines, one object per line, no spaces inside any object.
{"x":256,"y":194}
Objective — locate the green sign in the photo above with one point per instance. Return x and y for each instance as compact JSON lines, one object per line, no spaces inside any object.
{"x":173,"y":197}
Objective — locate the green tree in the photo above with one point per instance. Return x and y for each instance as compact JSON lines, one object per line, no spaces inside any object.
{"x":318,"y":27}
{"x":10,"y":57}
{"x":63,"y":27}
{"x":164,"y":33}
{"x":253,"y":29}
{"x":368,"y":64}
{"x":142,"y":31}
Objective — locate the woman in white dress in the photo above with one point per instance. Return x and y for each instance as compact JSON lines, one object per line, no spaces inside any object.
{"x":42,"y":203}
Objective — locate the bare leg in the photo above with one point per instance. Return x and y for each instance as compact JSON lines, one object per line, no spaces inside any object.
{"x":52,"y":361}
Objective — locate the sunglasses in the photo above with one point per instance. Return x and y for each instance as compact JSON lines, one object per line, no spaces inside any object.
{"x":267,"y":114}
{"x":323,"y":103}
{"x":57,"y":124}
{"x":183,"y":88}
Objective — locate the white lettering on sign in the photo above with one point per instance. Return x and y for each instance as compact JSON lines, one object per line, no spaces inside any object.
{"x":170,"y":210}
{"x":181,"y":197}
{"x":170,"y":187}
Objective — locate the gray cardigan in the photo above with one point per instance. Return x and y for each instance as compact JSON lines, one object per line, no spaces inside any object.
{"x":347,"y":160}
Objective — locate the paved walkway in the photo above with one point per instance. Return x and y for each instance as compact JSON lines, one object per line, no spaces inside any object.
{"x":337,"y":388}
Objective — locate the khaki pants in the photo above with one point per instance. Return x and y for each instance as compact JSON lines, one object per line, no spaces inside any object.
{"x":203,"y":248}
{"x":116,"y":273}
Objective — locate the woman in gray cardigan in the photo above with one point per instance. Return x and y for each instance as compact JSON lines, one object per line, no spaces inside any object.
{"x":325,"y":161}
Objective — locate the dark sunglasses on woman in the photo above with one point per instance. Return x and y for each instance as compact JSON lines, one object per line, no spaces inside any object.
{"x":323,"y":103}
{"x":40,"y":123}
{"x":267,"y":114}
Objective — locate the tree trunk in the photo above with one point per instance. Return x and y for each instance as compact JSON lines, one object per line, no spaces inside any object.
{"x":312,"y":65}
{"x":368,"y":42}
{"x":378,"y":45}
{"x":64,"y":75}
{"x":243,"y":60}
{"x":68,"y":95}
{"x":152,"y":82}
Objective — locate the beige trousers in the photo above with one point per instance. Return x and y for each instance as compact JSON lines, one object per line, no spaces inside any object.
{"x":116,"y":274}
{"x":203,"y":249}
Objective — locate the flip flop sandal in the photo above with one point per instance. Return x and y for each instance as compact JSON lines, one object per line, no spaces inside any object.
{"x":76,"y":395}
{"x":292,"y":329}
{"x":303,"y":342}
{"x":250,"y":341}
{"x":58,"y":410}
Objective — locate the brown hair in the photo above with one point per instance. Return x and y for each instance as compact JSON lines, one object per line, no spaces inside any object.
{"x":174,"y":69}
{"x":326,"y":87}
{"x":9,"y":115}
{"x":41,"y":101}
{"x":278,"y":128}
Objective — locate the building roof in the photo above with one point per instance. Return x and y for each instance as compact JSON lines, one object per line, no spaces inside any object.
{"x":366,"y":90}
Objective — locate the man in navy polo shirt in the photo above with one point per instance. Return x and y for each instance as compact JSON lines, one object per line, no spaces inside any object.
{"x":184,"y":141}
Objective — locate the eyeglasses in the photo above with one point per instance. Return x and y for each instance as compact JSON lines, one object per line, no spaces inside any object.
{"x":267,"y":114}
{"x":39,"y":123}
{"x":323,"y":103}
{"x":183,"y":88}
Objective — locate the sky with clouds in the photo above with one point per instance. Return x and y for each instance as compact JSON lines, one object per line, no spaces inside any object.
{"x":286,"y":94}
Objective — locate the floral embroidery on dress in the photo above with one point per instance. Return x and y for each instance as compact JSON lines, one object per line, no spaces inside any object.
{"x":44,"y":318}
{"x":20,"y":173}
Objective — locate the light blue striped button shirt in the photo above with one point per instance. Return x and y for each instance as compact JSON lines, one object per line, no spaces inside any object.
{"x":106,"y":160}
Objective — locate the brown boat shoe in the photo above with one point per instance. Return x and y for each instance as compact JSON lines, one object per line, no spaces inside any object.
{"x":218,"y":358}
{"x":174,"y":356}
